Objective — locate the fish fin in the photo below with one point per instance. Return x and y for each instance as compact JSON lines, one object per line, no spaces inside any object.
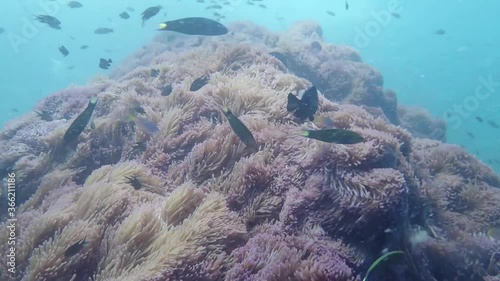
{"x":293,"y":103}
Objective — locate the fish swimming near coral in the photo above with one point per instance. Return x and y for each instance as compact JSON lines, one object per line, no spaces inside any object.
{"x":145,"y":125}
{"x":199,"y":83}
{"x":338,"y":136}
{"x":305,"y":107}
{"x":195,"y":26}
{"x":240,"y":129}
{"x":492,"y":124}
{"x":281,"y":57}
{"x":167,"y":90}
{"x":104,"y":64}
{"x":49,"y":20}
{"x":63,"y":51}
{"x":79,"y":124}
{"x":155,"y":72}
{"x":149,"y":13}
{"x":134,"y":182}
{"x":75,"y":248}
{"x":44,"y":115}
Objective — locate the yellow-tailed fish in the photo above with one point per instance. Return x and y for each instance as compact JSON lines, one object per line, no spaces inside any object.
{"x":338,"y":136}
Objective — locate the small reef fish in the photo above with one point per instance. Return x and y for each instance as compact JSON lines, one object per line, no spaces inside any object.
{"x":195,"y":26}
{"x":49,"y":20}
{"x":134,"y":182}
{"x":81,"y":121}
{"x":44,"y":115}
{"x":281,"y":57}
{"x":306,"y":107}
{"x":330,"y":13}
{"x":124,"y":15}
{"x":346,"y":5}
{"x":167,"y":90}
{"x":63,"y":51}
{"x":440,"y":32}
{"x":479,"y":119}
{"x":103,"y":30}
{"x":138,"y":109}
{"x":471,"y":135}
{"x":75,"y":248}
{"x":338,"y":136}
{"x":104,"y":64}
{"x":74,"y":4}
{"x":240,"y":129}
{"x":139,"y":146}
{"x":396,"y":15}
{"x":199,"y":83}
{"x":155,"y":72}
{"x":130,"y":9}
{"x":146,"y":126}
{"x":83,"y":47}
{"x":213,"y":7}
{"x":381,"y":259}
{"x":149,"y":13}
{"x":493,"y":124}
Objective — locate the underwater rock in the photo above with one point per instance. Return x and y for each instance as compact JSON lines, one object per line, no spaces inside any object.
{"x":194,"y":204}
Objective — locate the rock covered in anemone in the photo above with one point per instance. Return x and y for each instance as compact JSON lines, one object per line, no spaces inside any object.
{"x":191,"y":203}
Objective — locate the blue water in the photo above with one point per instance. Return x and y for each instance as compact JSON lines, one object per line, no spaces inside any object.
{"x":438,"y":72}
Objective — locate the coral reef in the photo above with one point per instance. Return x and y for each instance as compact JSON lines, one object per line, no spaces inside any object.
{"x":192,"y":203}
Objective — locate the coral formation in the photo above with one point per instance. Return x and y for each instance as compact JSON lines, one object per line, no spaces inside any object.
{"x":192,"y":203}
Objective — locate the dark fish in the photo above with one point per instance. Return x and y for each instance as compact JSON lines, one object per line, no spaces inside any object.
{"x":240,"y":129}
{"x":167,"y":90}
{"x":316,"y":46}
{"x":262,"y":6}
{"x":440,"y":32}
{"x":2,"y":30}
{"x":103,"y":30}
{"x":195,"y":26}
{"x":49,"y":20}
{"x":339,"y":136}
{"x":75,"y":4}
{"x":104,"y":64}
{"x":396,"y":15}
{"x":199,"y":83}
{"x":138,"y":109}
{"x":124,"y":15}
{"x":306,"y":107}
{"x":130,"y":9}
{"x":155,"y":72}
{"x":63,"y":51}
{"x":470,"y":135}
{"x":134,"y":182}
{"x":145,"y":125}
{"x":83,"y":47}
{"x":492,"y":124}
{"x":217,"y":15}
{"x":330,"y":13}
{"x":281,"y":57}
{"x":213,"y":7}
{"x":479,"y":119}
{"x":149,"y":13}
{"x":77,"y":126}
{"x":75,"y":248}
{"x":139,"y":146}
{"x":346,"y":5}
{"x":44,"y":115}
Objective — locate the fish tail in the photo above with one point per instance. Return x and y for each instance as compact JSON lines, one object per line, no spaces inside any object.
{"x":293,"y":102}
{"x":162,"y":26}
{"x":93,"y":100}
{"x":305,"y":133}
